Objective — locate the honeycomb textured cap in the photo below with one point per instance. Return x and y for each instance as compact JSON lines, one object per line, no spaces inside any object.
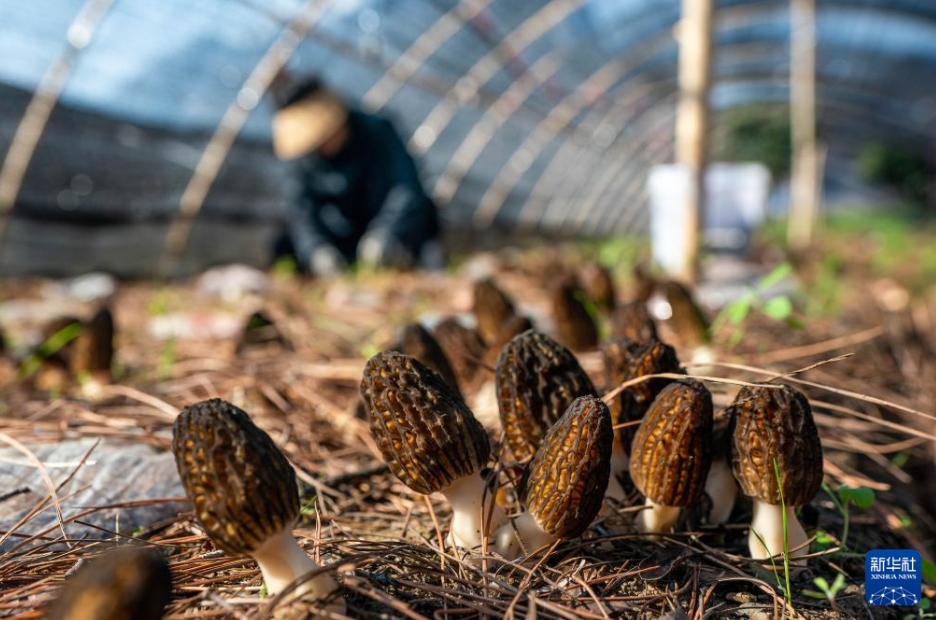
{"x":565,"y":483}
{"x":670,"y":456}
{"x":775,"y":423}
{"x":131,"y":583}
{"x":417,"y":342}
{"x":536,"y":380}
{"x":243,"y":488}
{"x":511,"y":328}
{"x":425,"y":432}
{"x":464,"y":348}
{"x":491,"y":307}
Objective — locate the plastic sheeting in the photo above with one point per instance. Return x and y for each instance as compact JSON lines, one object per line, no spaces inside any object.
{"x":536,"y":116}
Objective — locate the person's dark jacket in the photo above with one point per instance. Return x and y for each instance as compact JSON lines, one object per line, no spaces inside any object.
{"x":370,"y":185}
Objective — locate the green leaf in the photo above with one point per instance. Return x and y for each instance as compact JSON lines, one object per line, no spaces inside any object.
{"x":863,"y":497}
{"x":821,"y":583}
{"x":778,"y":308}
{"x":779,"y":272}
{"x":738,"y":310}
{"x":929,"y":572}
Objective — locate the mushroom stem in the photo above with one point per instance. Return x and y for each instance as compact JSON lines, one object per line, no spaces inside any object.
{"x":282,"y":561}
{"x":520,"y":536}
{"x":470,"y":524}
{"x":620,"y":462}
{"x":657,"y":519}
{"x":767,"y":526}
{"x":722,"y":489}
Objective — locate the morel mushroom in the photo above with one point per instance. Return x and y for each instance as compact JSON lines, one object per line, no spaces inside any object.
{"x":625,"y":360}
{"x":670,"y":457}
{"x":575,"y":328}
{"x":131,"y":582}
{"x":563,"y":486}
{"x":720,"y":484}
{"x":464,"y":349}
{"x":511,"y":328}
{"x":633,"y":321}
{"x":492,"y":307}
{"x":536,"y":379}
{"x":246,"y":497}
{"x":776,"y":456}
{"x":598,"y":285}
{"x":417,"y":342}
{"x":431,"y":441}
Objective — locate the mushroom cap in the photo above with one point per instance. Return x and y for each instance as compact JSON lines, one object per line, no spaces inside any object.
{"x":464,"y":348}
{"x":565,"y":483}
{"x":512,"y":327}
{"x":243,"y":488}
{"x":626,"y":359}
{"x":417,"y":342}
{"x":425,"y":432}
{"x":130,"y":583}
{"x":94,"y":347}
{"x":598,"y":285}
{"x":670,"y":456}
{"x":650,"y":358}
{"x":575,"y":327}
{"x":491,"y":308}
{"x":775,"y":423}
{"x":633,"y":321}
{"x":261,"y":331}
{"x":536,"y":380}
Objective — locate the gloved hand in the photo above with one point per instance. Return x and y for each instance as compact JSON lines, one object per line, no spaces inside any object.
{"x":381,"y":249}
{"x":326,"y":261}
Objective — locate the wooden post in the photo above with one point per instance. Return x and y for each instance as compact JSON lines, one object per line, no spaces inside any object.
{"x":804,"y":181}
{"x":695,"y":69}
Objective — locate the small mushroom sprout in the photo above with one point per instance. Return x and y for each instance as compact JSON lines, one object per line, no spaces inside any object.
{"x":432,"y":442}
{"x":130,"y":582}
{"x":670,"y":458}
{"x":564,"y":485}
{"x":776,"y":457}
{"x":246,"y":497}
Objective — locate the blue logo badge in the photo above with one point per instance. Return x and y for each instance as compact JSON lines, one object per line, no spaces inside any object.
{"x":893,"y":577}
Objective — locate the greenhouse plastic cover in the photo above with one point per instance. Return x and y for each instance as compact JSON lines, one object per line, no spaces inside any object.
{"x":524,"y":116}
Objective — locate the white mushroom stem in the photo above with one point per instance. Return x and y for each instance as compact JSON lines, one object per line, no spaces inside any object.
{"x":722,"y":490}
{"x":657,"y":519}
{"x":521,"y":536}
{"x":767,"y":526}
{"x":282,"y":561}
{"x":471,"y":504}
{"x":620,"y":463}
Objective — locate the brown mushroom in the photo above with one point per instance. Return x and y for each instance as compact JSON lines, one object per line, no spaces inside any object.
{"x":465,"y":349}
{"x":670,"y":457}
{"x":417,"y":342}
{"x":598,"y":285}
{"x":625,"y":360}
{"x":633,"y":321}
{"x":536,"y":380}
{"x":720,"y":485}
{"x":130,"y":583}
{"x":575,"y":327}
{"x":512,"y":327}
{"x":246,"y":497}
{"x":563,"y":486}
{"x":261,"y":332}
{"x":431,"y":441}
{"x":776,"y":457}
{"x":492,"y":307}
